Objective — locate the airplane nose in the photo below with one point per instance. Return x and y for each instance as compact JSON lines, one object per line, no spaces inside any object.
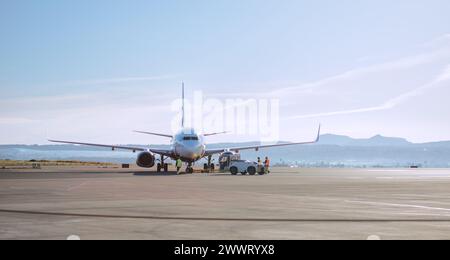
{"x":197,"y":149}
{"x":193,"y":151}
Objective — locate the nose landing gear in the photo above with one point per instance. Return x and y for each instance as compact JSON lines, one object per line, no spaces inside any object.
{"x":189,"y":169}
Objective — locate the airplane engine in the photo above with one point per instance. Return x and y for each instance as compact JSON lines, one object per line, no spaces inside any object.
{"x":146,"y":160}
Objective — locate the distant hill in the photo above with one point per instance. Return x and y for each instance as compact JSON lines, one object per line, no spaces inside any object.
{"x":326,"y":139}
{"x":377,"y":140}
{"x":342,"y":140}
{"x":331,"y":151}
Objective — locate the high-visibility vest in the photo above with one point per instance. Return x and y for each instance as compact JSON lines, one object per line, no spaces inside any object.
{"x":267,"y":163}
{"x":179,"y":163}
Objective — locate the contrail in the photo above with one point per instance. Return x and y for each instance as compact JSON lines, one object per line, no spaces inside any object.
{"x":391,"y":103}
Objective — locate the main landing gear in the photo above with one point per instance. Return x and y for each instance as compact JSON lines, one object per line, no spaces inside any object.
{"x":162,"y":166}
{"x":209,"y":167}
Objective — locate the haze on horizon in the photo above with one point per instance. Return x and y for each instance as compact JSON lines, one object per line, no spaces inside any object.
{"x":96,"y":70}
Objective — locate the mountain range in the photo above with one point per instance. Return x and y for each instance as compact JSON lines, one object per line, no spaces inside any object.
{"x":331,"y":151}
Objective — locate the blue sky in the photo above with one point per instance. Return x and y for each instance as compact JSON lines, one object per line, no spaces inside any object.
{"x":94,"y":70}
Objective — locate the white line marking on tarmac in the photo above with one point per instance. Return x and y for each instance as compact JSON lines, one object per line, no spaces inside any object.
{"x":398,"y":205}
{"x":73,"y":237}
{"x":422,"y":214}
{"x":387,"y":170}
{"x":77,"y":186}
{"x":407,"y":177}
{"x":373,"y":237}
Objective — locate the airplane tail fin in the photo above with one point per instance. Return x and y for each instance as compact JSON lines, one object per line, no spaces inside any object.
{"x":318,"y":134}
{"x":183,"y":111}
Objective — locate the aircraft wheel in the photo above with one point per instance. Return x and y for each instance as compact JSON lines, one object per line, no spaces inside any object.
{"x":212,"y":167}
{"x":158,"y":168}
{"x":166,"y":167}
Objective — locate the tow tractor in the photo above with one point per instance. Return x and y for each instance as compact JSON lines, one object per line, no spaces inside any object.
{"x":226,"y":159}
{"x":245,"y":167}
{"x":231,"y":162}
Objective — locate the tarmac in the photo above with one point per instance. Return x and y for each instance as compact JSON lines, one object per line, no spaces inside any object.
{"x":290,"y":203}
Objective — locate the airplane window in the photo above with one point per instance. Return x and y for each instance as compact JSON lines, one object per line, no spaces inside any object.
{"x":190,"y":138}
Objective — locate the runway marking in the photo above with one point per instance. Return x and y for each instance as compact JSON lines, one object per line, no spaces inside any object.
{"x":398,"y":205}
{"x":387,"y":170}
{"x":373,"y":237}
{"x":73,"y":237}
{"x":77,"y":186}
{"x":423,"y":214}
{"x":61,"y":214}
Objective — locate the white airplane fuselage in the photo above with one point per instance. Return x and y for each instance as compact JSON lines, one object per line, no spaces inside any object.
{"x":188,"y":146}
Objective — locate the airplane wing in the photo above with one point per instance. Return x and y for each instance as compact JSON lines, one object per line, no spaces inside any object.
{"x":156,"y":134}
{"x":211,"y":134}
{"x":165,"y":152}
{"x":256,"y":148}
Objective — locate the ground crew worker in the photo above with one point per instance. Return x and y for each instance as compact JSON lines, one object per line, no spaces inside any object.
{"x":260,"y":165}
{"x":179,"y":164}
{"x":267,"y":166}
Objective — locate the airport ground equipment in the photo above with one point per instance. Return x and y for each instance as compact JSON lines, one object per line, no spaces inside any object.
{"x":226,"y":159}
{"x":244,"y":167}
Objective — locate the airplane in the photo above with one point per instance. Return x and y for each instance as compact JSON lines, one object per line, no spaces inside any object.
{"x":187,"y":145}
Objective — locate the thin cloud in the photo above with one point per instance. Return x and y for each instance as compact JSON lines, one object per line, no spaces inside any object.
{"x":44,"y":99}
{"x":311,"y":87}
{"x":392,"y":103}
{"x":438,"y":41}
{"x":403,"y":63}
{"x":118,"y":80}
{"x":15,"y":120}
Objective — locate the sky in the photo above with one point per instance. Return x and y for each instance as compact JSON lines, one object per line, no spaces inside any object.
{"x":96,"y":70}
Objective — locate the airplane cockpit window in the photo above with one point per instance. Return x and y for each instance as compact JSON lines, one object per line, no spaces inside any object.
{"x":190,"y":138}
